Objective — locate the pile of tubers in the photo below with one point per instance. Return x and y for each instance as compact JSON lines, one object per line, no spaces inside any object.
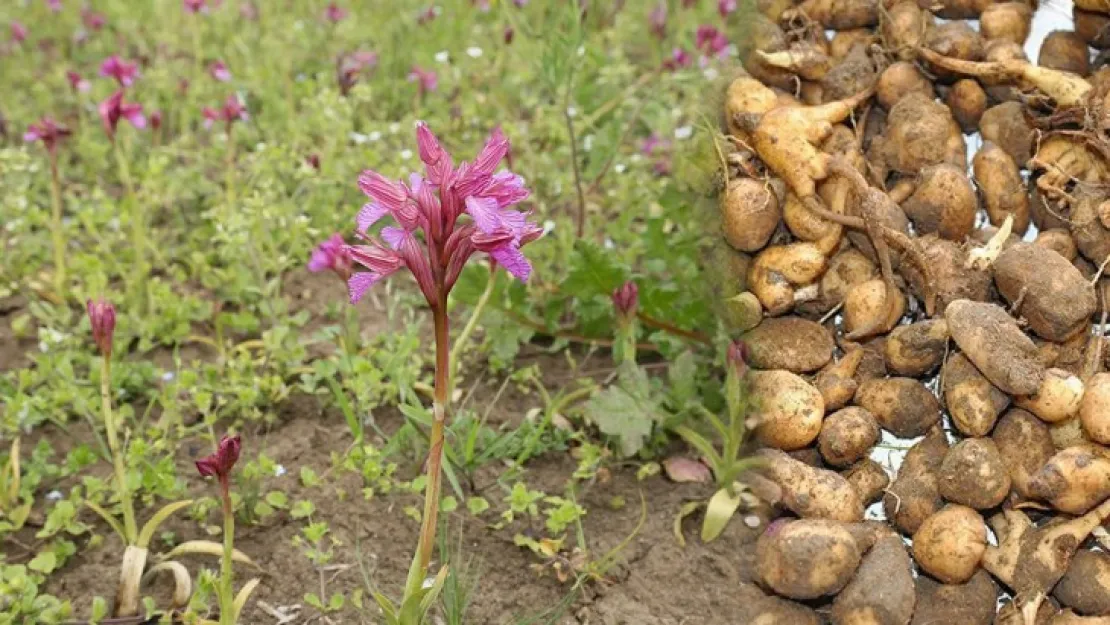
{"x":889,"y":286}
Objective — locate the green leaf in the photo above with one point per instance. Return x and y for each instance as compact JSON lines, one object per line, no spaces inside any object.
{"x":593,"y":271}
{"x":309,"y":477}
{"x":277,"y":499}
{"x":336,"y":602}
{"x":45,"y":562}
{"x":448,"y":504}
{"x":311,"y":599}
{"x":147,"y":533}
{"x":722,"y":505}
{"x":99,"y":608}
{"x":302,"y":509}
{"x":627,"y":410}
{"x":683,"y":378}
{"x":686,"y":510}
{"x":477,"y":505}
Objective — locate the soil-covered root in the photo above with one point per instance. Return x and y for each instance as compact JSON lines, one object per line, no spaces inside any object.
{"x":1047,"y":290}
{"x":847,"y":436}
{"x":1025,"y":444}
{"x":1094,"y":409}
{"x":836,"y":382}
{"x":1066,"y":51}
{"x":1066,"y":90}
{"x":950,"y":543}
{"x":995,"y":344}
{"x":1089,"y":221}
{"x":792,"y":343}
{"x":944,"y":203}
{"x":872,"y":308}
{"x":749,"y":213}
{"x":810,"y":492}
{"x":971,"y":603}
{"x":837,"y":14}
{"x":1007,"y":21}
{"x":916,"y":349}
{"x":807,"y":226}
{"x":952,"y":279}
{"x":914,"y":494}
{"x":919,"y":132}
{"x":1005,"y":126}
{"x":1073,"y":480}
{"x":1058,"y":398}
{"x":778,"y":271}
{"x":1030,"y":559}
{"x":807,"y":558}
{"x":1060,"y":241}
{"x":974,"y":475}
{"x":968,"y":101}
{"x":1065,"y":160}
{"x":1001,"y":187}
{"x":869,"y":479}
{"x":882,"y":591}
{"x":903,"y":406}
{"x":1085,"y":588}
{"x":972,"y":401}
{"x":787,"y":410}
{"x":903,"y":28}
{"x":899,"y":80}
{"x":956,"y":40}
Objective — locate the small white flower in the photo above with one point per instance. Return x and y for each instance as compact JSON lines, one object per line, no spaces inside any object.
{"x":581,"y":50}
{"x":374,"y":135}
{"x":608,"y":244}
{"x":358,"y":138}
{"x":683,"y":132}
{"x":572,"y":111}
{"x":167,"y":376}
{"x":279,"y":470}
{"x":54,"y":495}
{"x":474,"y":52}
{"x":619,"y":168}
{"x":406,"y":154}
{"x":442,"y":57}
{"x":548,"y":226}
{"x":588,"y":143}
{"x":711,"y":73}
{"x":394,"y":128}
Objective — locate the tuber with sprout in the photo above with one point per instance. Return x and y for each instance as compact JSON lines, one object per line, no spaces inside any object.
{"x":1066,"y":89}
{"x":845,"y":270}
{"x":1030,"y":559}
{"x":836,"y":382}
{"x":778,"y":271}
{"x":951,"y":278}
{"x":1057,"y":399}
{"x":872,"y":307}
{"x":1073,"y":480}
{"x":837,"y":14}
{"x":809,"y":492}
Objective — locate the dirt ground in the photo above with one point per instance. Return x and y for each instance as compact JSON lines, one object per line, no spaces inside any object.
{"x":654,"y":579}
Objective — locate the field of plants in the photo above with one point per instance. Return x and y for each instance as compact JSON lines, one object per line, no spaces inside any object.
{"x":554,"y":312}
{"x":178,"y":181}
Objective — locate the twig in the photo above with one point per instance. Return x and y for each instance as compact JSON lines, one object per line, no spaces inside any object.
{"x":580,"y":220}
{"x":539,"y":328}
{"x":658,"y":324}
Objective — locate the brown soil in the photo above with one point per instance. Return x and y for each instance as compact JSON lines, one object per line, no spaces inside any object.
{"x":654,"y":580}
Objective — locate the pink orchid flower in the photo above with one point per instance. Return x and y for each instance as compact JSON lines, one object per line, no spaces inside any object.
{"x":114,"y":108}
{"x":19,"y":32}
{"x":219,"y":71}
{"x":125,"y":72}
{"x":335,"y":13}
{"x":195,"y":6}
{"x":332,"y":255}
{"x":48,"y":131}
{"x":427,"y":79}
{"x":76,"y":82}
{"x":232,"y":111}
{"x":433,"y":206}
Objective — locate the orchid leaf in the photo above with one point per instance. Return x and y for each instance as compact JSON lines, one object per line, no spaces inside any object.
{"x":151,"y":526}
{"x":109,"y":519}
{"x":242,"y":596}
{"x":722,"y":505}
{"x":686,"y":510}
{"x":206,"y":548}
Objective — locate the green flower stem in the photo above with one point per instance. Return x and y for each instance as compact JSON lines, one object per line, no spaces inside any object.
{"x":130,"y":529}
{"x":56,"y":231}
{"x":227,"y":596}
{"x":468,"y":329}
{"x":229,"y":181}
{"x":138,"y":220}
{"x":428,"y":526}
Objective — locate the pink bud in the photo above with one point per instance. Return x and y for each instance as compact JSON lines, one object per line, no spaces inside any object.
{"x":626,"y":299}
{"x":220,"y":463}
{"x":738,"y":357}
{"x":102,"y":318}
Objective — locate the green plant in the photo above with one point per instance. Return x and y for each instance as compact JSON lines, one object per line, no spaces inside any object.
{"x":14,"y":507}
{"x":726,"y":463}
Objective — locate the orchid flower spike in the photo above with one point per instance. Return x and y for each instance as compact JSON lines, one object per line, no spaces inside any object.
{"x":114,"y":108}
{"x":102,"y":318}
{"x":48,"y":131}
{"x":220,"y":463}
{"x":124,"y":72}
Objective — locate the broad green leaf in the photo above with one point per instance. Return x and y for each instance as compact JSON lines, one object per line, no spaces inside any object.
{"x":593,"y":271}
{"x":477,"y":505}
{"x":683,"y":378}
{"x":45,"y":562}
{"x":722,"y":505}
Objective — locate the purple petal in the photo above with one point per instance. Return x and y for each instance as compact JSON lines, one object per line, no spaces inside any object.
{"x":137,"y":119}
{"x":510,"y":257}
{"x":389,"y":192}
{"x":320,"y":261}
{"x":497,"y":146}
{"x":394,"y":236}
{"x":369,"y":215}
{"x":361,"y":282}
{"x":484,"y":212}
{"x":31,"y":136}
